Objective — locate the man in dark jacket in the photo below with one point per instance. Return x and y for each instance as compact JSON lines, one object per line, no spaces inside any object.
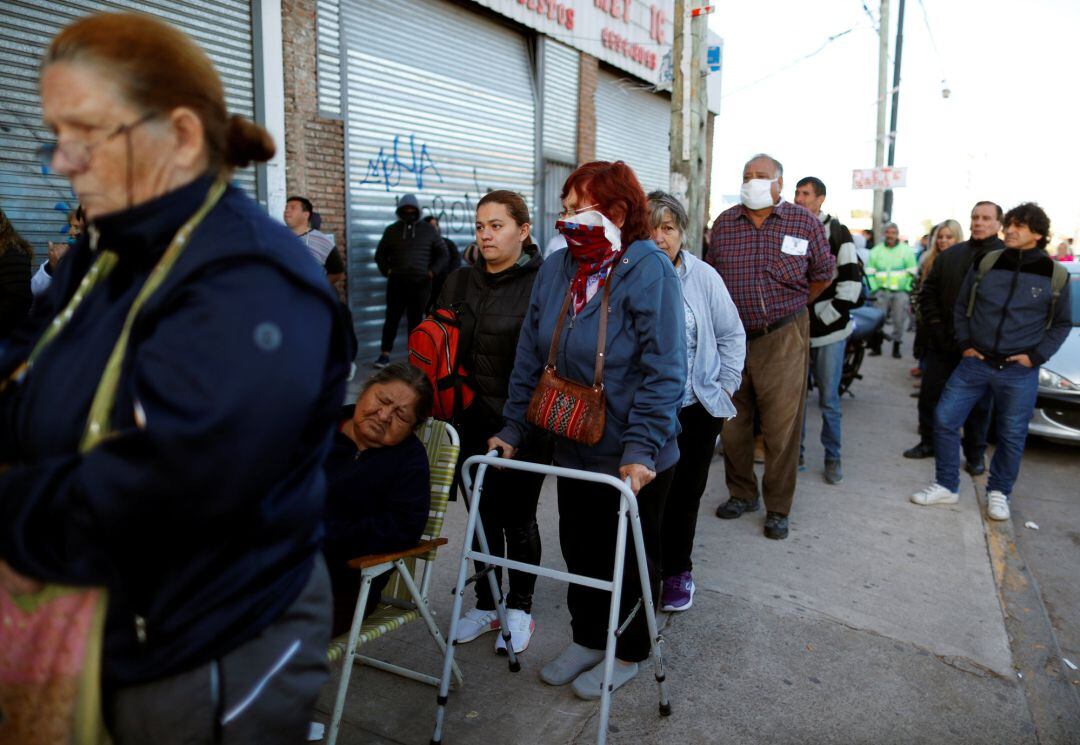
{"x":937,"y":297}
{"x":453,"y":261}
{"x":410,"y":254}
{"x":830,"y":324}
{"x":1011,"y":315}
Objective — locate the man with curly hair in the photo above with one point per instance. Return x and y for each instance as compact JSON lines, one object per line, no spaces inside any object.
{"x":1012,"y":313}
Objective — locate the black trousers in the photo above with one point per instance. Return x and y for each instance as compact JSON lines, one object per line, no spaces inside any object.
{"x":588,"y":519}
{"x":697,"y":442}
{"x":408,"y":295}
{"x":937,"y":367}
{"x":508,"y":511}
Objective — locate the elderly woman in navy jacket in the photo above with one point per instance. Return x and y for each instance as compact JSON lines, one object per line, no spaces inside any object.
{"x":715,"y":347}
{"x":215,"y":358}
{"x":644,"y":373}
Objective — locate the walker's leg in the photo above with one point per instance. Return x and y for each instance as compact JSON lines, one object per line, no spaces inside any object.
{"x":455,"y":613}
{"x":350,"y":656}
{"x":613,"y":623}
{"x":650,"y":609}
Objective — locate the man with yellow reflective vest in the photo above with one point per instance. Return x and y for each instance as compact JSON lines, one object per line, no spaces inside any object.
{"x":890,"y":271}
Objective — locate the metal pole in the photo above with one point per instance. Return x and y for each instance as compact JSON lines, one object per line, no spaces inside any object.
{"x":680,"y":168}
{"x":887,"y":207}
{"x":689,"y":115}
{"x":696,"y":194}
{"x":883,"y":82}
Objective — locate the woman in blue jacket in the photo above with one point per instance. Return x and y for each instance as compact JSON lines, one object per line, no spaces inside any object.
{"x":715,"y":348}
{"x":644,"y":372}
{"x":168,"y":405}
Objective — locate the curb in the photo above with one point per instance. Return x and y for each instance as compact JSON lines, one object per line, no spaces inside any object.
{"x":1051,"y":689}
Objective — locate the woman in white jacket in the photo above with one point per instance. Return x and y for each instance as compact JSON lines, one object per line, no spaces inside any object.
{"x":715,"y":348}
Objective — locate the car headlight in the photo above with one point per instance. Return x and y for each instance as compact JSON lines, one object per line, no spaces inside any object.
{"x":1051,"y":381}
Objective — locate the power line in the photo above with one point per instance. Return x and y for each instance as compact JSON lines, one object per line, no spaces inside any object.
{"x":794,"y":62}
{"x":933,"y":41}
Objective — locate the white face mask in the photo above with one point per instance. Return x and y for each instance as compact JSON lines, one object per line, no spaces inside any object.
{"x":756,"y":194}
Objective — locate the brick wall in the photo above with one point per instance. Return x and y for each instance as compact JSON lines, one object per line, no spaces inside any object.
{"x":586,"y":131}
{"x":314,"y":145}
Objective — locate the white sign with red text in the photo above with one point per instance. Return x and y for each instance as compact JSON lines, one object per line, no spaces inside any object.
{"x":885,"y":177}
{"x":632,"y":35}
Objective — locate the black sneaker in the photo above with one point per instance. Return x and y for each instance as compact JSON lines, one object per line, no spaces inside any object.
{"x":733,"y":508}
{"x":383,"y":361}
{"x":896,"y":350}
{"x":922,"y":450}
{"x":976,"y":467}
{"x":776,"y":526}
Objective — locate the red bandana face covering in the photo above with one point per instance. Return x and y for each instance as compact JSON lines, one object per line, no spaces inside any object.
{"x":594,"y":242}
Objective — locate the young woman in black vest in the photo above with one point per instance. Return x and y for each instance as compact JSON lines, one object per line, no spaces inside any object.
{"x":491,"y":297}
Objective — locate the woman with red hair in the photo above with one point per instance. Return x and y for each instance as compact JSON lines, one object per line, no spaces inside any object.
{"x":610,"y":255}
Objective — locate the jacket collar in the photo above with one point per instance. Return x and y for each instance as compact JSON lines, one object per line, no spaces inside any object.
{"x":141,"y":234}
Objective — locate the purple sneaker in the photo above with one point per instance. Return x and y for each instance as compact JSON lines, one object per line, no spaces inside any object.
{"x":678,"y":593}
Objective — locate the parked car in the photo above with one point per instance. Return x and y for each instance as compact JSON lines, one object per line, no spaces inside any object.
{"x":1057,"y":409}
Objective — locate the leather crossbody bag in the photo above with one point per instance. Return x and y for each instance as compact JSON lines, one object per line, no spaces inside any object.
{"x":565,"y":407}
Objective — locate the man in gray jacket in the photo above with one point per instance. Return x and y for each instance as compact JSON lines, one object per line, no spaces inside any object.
{"x":410,"y":253}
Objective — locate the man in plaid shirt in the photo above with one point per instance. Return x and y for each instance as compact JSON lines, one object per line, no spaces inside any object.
{"x":774,"y":258}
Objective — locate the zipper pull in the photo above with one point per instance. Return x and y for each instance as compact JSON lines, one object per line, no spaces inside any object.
{"x":140,"y":629}
{"x":95,"y":236}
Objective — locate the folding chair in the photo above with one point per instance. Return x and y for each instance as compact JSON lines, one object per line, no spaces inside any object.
{"x":403,"y":600}
{"x":628,"y":511}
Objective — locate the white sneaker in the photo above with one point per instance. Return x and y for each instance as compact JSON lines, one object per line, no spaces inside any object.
{"x":997,"y":506}
{"x":935,"y":494}
{"x":476,"y":622}
{"x":521,"y":626}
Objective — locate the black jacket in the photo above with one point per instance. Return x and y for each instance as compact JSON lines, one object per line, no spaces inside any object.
{"x":939,"y":291}
{"x":202,"y":514}
{"x":410,"y":249}
{"x":495,"y":306}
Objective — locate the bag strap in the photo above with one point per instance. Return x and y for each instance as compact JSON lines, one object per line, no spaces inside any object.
{"x":986,"y":263}
{"x":601,"y":341}
{"x":1058,"y":279}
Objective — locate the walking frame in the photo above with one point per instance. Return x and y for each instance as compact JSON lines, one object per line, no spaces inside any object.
{"x":628,"y":507}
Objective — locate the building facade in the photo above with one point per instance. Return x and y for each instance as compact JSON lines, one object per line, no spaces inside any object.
{"x":372,"y":99}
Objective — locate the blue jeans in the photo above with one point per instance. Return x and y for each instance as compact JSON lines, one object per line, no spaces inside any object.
{"x":1014,"y":389}
{"x":827,"y":365}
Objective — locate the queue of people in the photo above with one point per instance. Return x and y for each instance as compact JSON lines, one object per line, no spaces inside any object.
{"x":186,"y":310}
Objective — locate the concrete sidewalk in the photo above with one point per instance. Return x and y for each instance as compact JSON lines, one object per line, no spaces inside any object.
{"x":876,"y":622}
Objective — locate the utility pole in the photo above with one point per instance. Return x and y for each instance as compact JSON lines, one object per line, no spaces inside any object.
{"x":883,"y":82}
{"x":689,"y":114}
{"x":887,"y":207}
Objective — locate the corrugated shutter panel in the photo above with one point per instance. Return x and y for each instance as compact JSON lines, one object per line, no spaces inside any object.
{"x":427,"y":114}
{"x":31,"y":198}
{"x":561,"y":70}
{"x":329,"y":58}
{"x":633,"y":125}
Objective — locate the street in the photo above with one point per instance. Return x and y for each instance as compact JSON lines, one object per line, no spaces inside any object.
{"x":877,"y":621}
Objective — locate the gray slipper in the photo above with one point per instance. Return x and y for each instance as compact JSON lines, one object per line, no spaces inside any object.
{"x":589,"y":684}
{"x":573,"y":660}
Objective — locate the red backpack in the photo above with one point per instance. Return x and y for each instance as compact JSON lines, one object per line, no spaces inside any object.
{"x":434,"y":348}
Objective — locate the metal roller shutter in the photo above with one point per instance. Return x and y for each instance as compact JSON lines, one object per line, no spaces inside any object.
{"x":439,"y":102}
{"x":328,"y":58}
{"x":36,"y":202}
{"x":633,"y":125}
{"x":560,"y":117}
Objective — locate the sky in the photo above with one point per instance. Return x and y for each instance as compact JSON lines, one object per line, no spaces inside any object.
{"x":1006,"y":132}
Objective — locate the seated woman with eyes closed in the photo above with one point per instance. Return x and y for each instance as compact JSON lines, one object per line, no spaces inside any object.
{"x":377,"y":481}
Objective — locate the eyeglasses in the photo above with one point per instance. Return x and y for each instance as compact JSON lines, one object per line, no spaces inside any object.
{"x":568,"y":213}
{"x":77,"y":154}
